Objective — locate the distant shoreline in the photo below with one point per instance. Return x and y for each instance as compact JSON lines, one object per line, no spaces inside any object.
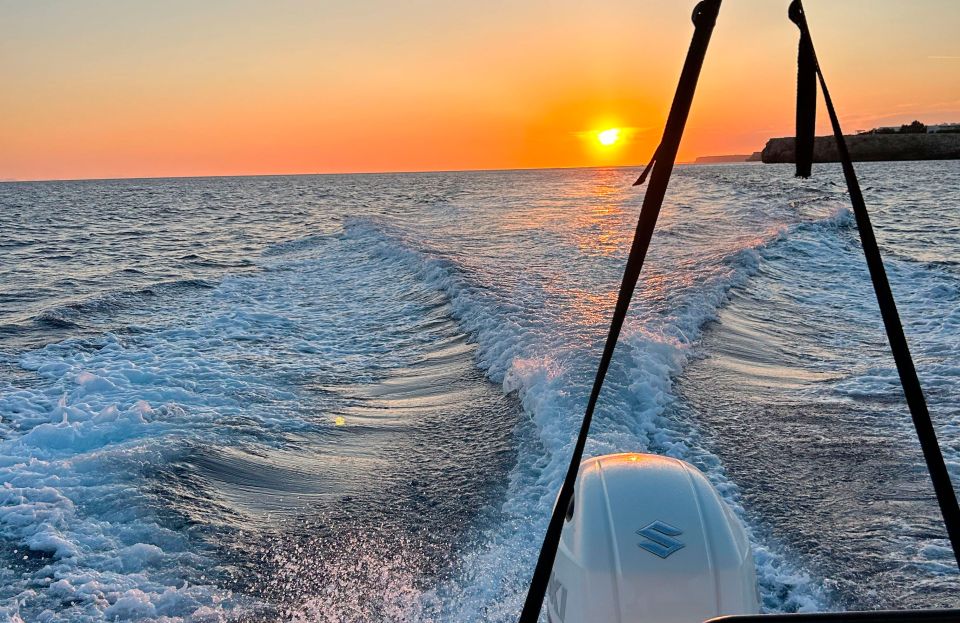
{"x":912,"y":141}
{"x":870,"y":148}
{"x":727,"y":159}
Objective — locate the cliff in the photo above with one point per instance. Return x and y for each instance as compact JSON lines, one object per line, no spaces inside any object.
{"x":871,"y":147}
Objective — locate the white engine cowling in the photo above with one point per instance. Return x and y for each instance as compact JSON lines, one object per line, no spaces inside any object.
{"x":649,"y":541}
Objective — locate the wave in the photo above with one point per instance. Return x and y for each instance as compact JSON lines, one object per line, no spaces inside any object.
{"x":71,"y":315}
{"x":102,"y":481}
{"x":805,"y":338}
{"x":226,"y":372}
{"x":552,"y":386}
{"x":297,"y":244}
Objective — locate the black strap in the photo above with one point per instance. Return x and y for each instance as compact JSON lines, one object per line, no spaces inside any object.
{"x":704,"y":18}
{"x":946,"y":496}
{"x":648,"y":168}
{"x":806,"y":97}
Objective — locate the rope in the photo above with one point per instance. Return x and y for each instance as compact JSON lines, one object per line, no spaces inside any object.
{"x":946,"y":497}
{"x":704,"y":18}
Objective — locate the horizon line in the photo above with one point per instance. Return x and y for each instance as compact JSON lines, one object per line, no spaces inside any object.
{"x":409,"y":172}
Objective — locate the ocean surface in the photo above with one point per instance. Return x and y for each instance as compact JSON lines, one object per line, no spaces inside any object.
{"x":352,"y":398}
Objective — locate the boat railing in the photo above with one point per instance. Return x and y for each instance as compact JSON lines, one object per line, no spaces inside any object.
{"x":872,"y":616}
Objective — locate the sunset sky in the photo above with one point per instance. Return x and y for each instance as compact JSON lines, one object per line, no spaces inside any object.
{"x":116,"y":88}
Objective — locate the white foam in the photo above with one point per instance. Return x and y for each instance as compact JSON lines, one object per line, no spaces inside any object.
{"x":76,"y":498}
{"x":550,"y":376}
{"x":97,"y":414}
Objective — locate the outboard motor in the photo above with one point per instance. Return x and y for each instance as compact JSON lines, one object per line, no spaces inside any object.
{"x":648,"y":540}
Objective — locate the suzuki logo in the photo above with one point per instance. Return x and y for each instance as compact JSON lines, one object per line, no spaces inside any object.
{"x":660,"y":539}
{"x":557,"y":594}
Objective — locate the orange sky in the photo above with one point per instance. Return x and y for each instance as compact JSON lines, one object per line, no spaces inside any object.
{"x":112,"y":88}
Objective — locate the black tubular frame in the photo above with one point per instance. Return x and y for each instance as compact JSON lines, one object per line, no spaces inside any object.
{"x":912,"y":391}
{"x":659,"y":169}
{"x":704,"y":18}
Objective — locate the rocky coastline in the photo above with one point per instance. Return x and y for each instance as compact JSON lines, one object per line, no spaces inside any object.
{"x":870,"y":148}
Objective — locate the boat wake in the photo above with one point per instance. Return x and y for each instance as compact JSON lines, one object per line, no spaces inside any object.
{"x":370,"y":422}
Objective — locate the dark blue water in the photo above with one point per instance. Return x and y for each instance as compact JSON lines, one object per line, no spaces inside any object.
{"x":351,"y":398}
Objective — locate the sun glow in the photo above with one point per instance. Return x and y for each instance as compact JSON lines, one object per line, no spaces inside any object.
{"x":608,"y":137}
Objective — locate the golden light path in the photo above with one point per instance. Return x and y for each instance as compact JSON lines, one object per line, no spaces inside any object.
{"x":608,"y":137}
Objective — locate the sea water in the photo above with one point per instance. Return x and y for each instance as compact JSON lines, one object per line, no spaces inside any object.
{"x":353,"y":398}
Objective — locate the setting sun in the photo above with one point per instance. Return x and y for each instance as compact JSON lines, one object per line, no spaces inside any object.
{"x":609,"y":137}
